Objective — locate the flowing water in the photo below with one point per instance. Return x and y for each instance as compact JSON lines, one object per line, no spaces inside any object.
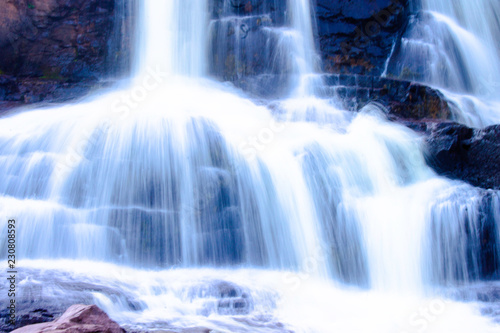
{"x":178,"y":202}
{"x":453,"y":45}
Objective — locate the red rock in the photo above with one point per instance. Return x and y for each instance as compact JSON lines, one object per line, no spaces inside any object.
{"x":77,"y":319}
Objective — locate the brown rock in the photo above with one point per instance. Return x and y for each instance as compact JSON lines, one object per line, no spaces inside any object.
{"x":77,"y":319}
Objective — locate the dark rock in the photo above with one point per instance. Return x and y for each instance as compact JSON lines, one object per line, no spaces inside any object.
{"x":64,"y":40}
{"x":404,"y":100}
{"x":76,"y":42}
{"x":354,"y":37}
{"x":19,"y":91}
{"x":489,"y":261}
{"x":357,"y":36}
{"x":459,"y":152}
{"x":77,"y":318}
{"x":420,"y":102}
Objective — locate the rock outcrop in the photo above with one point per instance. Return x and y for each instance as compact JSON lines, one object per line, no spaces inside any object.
{"x":404,"y":100}
{"x":78,"y":318}
{"x":471,"y":155}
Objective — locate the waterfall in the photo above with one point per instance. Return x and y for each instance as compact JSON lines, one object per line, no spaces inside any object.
{"x":267,"y":46}
{"x":172,"y":40}
{"x":303,"y":48}
{"x":452,"y":45}
{"x":233,"y":213}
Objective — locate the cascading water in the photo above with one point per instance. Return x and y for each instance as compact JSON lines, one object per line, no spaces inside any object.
{"x":453,"y":45}
{"x":178,"y":202}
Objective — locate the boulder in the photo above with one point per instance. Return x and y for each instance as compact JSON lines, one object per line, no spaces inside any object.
{"x":459,"y":152}
{"x":77,"y":318}
{"x":420,"y":102}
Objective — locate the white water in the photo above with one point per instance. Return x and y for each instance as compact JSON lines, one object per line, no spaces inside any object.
{"x":278,"y":301}
{"x":189,"y":178}
{"x":453,"y":45}
{"x":302,"y":47}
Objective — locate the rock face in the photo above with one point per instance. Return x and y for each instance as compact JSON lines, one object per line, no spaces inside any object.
{"x":61,"y":44}
{"x":248,"y":48}
{"x":78,"y":318}
{"x":66,"y":40}
{"x":357,"y":36}
{"x":459,"y":152}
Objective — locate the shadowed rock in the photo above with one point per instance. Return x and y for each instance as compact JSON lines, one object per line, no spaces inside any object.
{"x":459,"y":152}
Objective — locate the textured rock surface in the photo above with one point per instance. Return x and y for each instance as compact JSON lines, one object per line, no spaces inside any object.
{"x":18,"y":91}
{"x":354,"y":37}
{"x":66,"y":40}
{"x":78,"y":318}
{"x":459,"y":152}
{"x":357,"y":36}
{"x":55,"y":49}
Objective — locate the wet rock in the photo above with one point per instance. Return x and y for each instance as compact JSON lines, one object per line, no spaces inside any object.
{"x":471,"y":155}
{"x":245,"y":44}
{"x":404,"y":100}
{"x":357,"y":36}
{"x":77,"y":318}
{"x":223,"y":297}
{"x":421,"y":102}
